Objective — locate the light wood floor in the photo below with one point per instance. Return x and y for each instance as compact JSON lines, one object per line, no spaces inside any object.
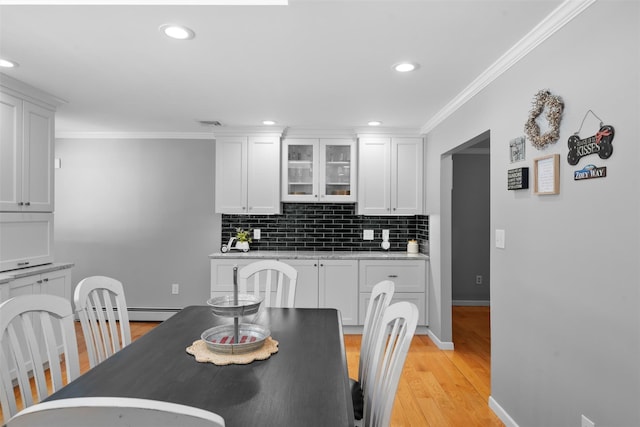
{"x":438,"y":388}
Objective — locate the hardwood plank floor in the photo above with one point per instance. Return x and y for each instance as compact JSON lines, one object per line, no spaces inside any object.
{"x":437,"y":388}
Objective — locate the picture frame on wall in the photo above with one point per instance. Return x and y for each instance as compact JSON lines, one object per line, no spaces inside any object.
{"x":546,"y":175}
{"x":517,"y":149}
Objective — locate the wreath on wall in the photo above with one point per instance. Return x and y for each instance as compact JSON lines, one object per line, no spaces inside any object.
{"x":554,"y":106}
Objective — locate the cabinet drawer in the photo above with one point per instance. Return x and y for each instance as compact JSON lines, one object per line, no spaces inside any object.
{"x":418,"y":298}
{"x":408,"y":276}
{"x":27,"y":240}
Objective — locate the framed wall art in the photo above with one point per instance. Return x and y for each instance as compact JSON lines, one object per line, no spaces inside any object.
{"x":546,"y":175}
{"x":516,"y":149}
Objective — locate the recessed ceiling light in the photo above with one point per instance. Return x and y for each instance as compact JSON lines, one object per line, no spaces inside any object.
{"x":177,"y":32}
{"x":5,"y":63}
{"x":268,"y":122}
{"x":374,"y":123}
{"x":405,"y":67}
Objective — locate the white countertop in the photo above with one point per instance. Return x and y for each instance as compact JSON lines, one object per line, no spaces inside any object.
{"x":7,"y":276}
{"x":320,"y":255}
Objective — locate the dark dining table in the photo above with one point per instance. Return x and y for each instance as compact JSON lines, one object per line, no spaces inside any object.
{"x":304,"y":384}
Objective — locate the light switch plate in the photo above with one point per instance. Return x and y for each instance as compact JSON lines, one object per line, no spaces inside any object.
{"x":385,"y":234}
{"x":256,"y":234}
{"x":500,"y":239}
{"x":367,"y":235}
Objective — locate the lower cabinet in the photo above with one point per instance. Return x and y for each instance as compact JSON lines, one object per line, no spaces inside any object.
{"x":409,"y":278}
{"x":339,"y":288}
{"x":342,"y":284}
{"x":56,"y":282}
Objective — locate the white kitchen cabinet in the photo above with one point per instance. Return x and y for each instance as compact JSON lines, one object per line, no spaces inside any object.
{"x":339,"y":288}
{"x":321,"y":283}
{"x":53,"y":282}
{"x":318,"y":170}
{"x":26,"y":155}
{"x":409,"y":277}
{"x":247,"y":175}
{"x":306,"y":285}
{"x":26,"y":239}
{"x":390,"y":180}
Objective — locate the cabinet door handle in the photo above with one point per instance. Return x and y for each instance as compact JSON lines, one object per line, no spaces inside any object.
{"x":45,"y":279}
{"x":244,"y":208}
{"x":393,"y":276}
{"x":321,"y":265}
{"x":39,"y":281}
{"x":20,"y":204}
{"x":27,"y":203}
{"x":394,"y":209}
{"x":315,"y":265}
{"x":20,"y":264}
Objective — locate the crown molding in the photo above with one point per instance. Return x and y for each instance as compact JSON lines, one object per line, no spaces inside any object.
{"x":24,"y":90}
{"x":147,"y":2}
{"x":557,"y":19}
{"x":134,"y":135}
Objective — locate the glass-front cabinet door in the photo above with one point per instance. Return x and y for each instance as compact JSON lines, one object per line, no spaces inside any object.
{"x":318,"y":170}
{"x":300,"y":170}
{"x":337,"y":180}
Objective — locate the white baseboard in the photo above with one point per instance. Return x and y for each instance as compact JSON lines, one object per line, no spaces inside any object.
{"x":442,"y":345}
{"x":501,"y":413}
{"x":471,"y":302}
{"x":149,"y":314}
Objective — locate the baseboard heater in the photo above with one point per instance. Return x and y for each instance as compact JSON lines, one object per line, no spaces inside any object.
{"x":151,"y":314}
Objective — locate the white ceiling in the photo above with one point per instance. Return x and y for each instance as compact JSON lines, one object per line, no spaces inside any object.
{"x":311,"y":64}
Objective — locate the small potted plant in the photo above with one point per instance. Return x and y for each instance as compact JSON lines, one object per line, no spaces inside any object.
{"x":243,"y":238}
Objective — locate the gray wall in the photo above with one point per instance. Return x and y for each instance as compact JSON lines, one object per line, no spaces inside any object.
{"x":140,"y":211}
{"x":565,"y":303}
{"x":470,"y":229}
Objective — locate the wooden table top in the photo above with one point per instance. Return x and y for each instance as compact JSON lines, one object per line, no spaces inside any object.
{"x":304,"y":384}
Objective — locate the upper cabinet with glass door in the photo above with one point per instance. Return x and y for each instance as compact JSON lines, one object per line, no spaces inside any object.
{"x":319,"y":170}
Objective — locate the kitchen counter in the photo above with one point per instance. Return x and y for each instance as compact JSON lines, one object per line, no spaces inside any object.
{"x":357,"y":255}
{"x":7,"y":276}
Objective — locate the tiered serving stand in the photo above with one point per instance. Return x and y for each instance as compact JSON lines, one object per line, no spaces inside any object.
{"x":240,"y":337}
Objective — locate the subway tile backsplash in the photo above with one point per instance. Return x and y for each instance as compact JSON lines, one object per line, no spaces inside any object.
{"x":327,"y":227}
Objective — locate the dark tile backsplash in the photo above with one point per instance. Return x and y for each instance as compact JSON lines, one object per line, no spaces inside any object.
{"x":327,"y":227}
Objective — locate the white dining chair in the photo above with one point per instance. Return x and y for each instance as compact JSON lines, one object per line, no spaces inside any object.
{"x":113,"y":412}
{"x":102,"y":309}
{"x":380,"y":299}
{"x":270,"y":276}
{"x":389,"y":352}
{"x":36,"y":330}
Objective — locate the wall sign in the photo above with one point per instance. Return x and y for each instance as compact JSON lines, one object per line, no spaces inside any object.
{"x":518,"y":179}
{"x":546,"y":175}
{"x":600,"y":144}
{"x":590,"y":172}
{"x":516,"y":149}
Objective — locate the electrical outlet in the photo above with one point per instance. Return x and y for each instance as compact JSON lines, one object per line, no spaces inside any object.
{"x":586,"y":422}
{"x":175,"y":289}
{"x":256,"y":234}
{"x":479,"y":279}
{"x":367,"y":235}
{"x":500,"y":236}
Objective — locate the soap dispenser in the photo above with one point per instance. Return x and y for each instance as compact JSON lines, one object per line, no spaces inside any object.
{"x":385,"y":240}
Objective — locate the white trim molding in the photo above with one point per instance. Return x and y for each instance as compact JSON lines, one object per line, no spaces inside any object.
{"x":557,"y":19}
{"x":134,"y":135}
{"x":501,"y":413}
{"x":442,"y":345}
